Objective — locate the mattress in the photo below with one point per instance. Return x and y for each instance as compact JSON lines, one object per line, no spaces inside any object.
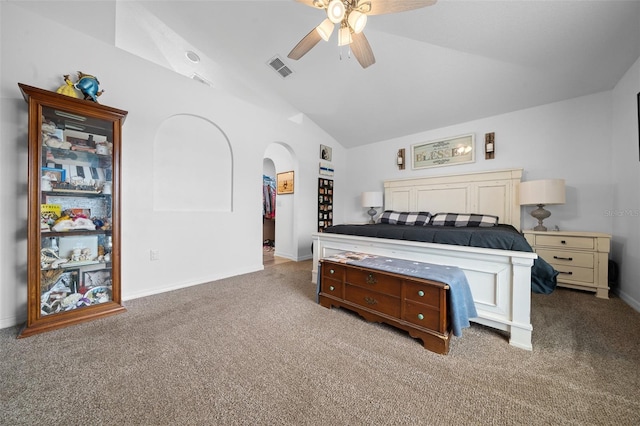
{"x":502,"y":237}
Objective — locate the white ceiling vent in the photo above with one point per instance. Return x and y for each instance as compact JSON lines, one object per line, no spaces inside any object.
{"x":279,"y":66}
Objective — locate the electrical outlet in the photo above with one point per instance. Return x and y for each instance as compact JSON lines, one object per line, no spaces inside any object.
{"x":154,"y":254}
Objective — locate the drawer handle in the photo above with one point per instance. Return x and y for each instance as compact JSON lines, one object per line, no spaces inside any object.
{"x":563,"y":258}
{"x":370,"y":300}
{"x":563,"y":242}
{"x":371,"y":279}
{"x":331,"y":271}
{"x":421,"y":293}
{"x":331,"y":288}
{"x":420,"y":316}
{"x":566,"y":273}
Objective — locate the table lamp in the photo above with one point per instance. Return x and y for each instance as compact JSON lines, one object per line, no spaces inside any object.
{"x":541,"y":193}
{"x":372,"y":199}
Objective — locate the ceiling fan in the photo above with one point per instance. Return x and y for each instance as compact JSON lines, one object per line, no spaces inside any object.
{"x":351,"y":15}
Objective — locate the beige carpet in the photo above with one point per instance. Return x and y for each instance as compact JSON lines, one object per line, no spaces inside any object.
{"x":257,"y":349}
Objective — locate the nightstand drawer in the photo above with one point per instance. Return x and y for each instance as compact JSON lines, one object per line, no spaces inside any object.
{"x":558,"y":257}
{"x":574,"y":273}
{"x":581,"y":257}
{"x":564,"y":241}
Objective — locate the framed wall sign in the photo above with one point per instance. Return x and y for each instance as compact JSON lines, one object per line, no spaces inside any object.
{"x":325,"y":153}
{"x":326,"y":169}
{"x":285,"y":182}
{"x":443,"y":152}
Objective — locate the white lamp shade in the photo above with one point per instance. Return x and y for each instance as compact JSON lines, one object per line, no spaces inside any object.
{"x":372,"y":199}
{"x":325,"y":29}
{"x":344,"y":36}
{"x":357,"y":21}
{"x":545,"y":192}
{"x":335,"y":11}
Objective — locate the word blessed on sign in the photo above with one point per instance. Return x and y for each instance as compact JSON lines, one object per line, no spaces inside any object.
{"x":443,"y":152}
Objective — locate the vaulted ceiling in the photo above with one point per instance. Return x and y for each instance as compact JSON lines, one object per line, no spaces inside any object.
{"x":436,"y":66}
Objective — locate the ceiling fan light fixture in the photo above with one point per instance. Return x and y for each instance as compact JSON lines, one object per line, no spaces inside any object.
{"x":335,"y":11}
{"x":344,"y":36}
{"x":357,"y":21}
{"x":325,"y":29}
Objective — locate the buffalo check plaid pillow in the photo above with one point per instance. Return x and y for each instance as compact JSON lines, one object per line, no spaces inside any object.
{"x":405,"y":218}
{"x":464,"y":219}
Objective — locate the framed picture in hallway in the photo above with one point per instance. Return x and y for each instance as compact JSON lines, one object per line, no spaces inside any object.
{"x":285,"y":182}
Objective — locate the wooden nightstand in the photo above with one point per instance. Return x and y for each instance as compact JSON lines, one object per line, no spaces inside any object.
{"x":582,"y":258}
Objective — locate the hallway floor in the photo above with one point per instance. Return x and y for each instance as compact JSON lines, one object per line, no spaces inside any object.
{"x":268,"y":258}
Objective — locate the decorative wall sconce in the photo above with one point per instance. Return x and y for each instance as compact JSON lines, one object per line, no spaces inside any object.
{"x":489,"y":146}
{"x":400,"y":159}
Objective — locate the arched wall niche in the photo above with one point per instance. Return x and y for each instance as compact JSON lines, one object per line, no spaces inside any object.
{"x":192,"y":154}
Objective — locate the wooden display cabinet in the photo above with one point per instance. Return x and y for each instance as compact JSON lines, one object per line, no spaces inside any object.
{"x":73,"y":210}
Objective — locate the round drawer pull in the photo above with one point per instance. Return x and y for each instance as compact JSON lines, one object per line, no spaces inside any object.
{"x":331,"y":271}
{"x":421,"y":293}
{"x":331,"y":288}
{"x":563,"y":242}
{"x":420,"y":316}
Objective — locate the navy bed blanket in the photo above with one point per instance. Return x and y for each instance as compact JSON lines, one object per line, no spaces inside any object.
{"x":503,"y":237}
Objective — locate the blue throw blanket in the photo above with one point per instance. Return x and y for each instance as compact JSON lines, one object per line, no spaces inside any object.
{"x":461,"y":306}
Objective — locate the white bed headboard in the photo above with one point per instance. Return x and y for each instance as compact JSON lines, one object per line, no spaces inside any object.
{"x":492,"y":192}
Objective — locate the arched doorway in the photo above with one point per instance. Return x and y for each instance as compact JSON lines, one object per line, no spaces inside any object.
{"x":279,"y":158}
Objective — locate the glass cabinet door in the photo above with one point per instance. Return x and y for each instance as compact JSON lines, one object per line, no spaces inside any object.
{"x":74,"y":267}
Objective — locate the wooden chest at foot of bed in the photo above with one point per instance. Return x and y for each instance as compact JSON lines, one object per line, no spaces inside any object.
{"x":416,"y":305}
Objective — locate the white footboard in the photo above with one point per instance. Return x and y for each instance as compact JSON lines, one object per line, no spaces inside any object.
{"x":500,"y":280}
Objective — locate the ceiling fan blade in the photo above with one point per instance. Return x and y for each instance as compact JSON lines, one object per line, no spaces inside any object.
{"x":362,"y":50}
{"x":305,"y":45}
{"x":382,"y":7}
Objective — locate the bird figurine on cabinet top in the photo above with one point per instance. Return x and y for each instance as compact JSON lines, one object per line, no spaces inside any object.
{"x":67,"y":88}
{"x":88,"y":85}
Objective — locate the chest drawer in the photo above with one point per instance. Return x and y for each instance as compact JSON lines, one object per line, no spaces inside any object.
{"x":380,"y":302}
{"x":332,"y":287}
{"x":584,"y":243}
{"x":375,"y":281}
{"x":422,"y":315}
{"x":333,"y":271}
{"x":559,"y":257}
{"x":421,"y":293}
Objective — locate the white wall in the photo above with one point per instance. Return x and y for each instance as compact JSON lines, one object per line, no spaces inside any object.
{"x":625,"y":166}
{"x":569,"y":139}
{"x":195,"y":247}
{"x":591,"y":142}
